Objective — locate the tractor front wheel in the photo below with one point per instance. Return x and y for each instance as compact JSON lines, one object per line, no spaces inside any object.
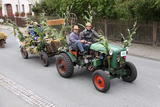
{"x":44,"y":58}
{"x":131,"y":72}
{"x":64,"y":65}
{"x":24,"y":53}
{"x":101,"y":81}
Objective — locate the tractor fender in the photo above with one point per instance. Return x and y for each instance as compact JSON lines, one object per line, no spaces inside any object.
{"x":72,"y":57}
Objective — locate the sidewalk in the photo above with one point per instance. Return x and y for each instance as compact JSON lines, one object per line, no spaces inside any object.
{"x":142,"y":50}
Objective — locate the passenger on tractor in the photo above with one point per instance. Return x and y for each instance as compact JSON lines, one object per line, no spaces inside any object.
{"x":75,"y":42}
{"x":88,"y":34}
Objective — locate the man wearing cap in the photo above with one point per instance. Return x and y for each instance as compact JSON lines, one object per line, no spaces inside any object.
{"x":89,"y":34}
{"x":75,"y":41}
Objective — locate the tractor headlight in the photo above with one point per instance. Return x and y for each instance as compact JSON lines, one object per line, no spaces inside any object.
{"x":127,"y":50}
{"x":110,"y":52}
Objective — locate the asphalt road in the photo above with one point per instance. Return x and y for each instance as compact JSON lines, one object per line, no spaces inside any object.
{"x":8,"y":99}
{"x":79,"y":91}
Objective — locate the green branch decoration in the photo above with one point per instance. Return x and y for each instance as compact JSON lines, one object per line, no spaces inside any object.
{"x":104,"y":42}
{"x":16,"y":30}
{"x":131,"y":32}
{"x":81,"y":25}
{"x":89,"y":15}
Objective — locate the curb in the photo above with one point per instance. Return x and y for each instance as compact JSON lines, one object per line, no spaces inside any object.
{"x":154,"y":59}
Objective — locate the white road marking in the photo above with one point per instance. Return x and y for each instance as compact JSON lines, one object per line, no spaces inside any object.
{"x":25,"y":94}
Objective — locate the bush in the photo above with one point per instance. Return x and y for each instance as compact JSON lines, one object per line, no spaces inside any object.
{"x":112,"y":9}
{"x":37,"y":9}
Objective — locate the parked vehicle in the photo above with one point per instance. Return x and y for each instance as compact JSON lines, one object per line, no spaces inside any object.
{"x":3,"y":38}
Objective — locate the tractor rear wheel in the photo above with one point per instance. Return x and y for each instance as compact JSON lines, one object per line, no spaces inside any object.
{"x":64,"y":65}
{"x":24,"y":53}
{"x":131,"y":72}
{"x":101,"y":81}
{"x":44,"y":58}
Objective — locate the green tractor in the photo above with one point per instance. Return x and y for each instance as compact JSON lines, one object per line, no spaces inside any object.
{"x":106,"y":63}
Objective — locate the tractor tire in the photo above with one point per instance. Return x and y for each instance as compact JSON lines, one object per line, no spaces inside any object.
{"x":24,"y":53}
{"x":101,"y":81}
{"x":44,"y":58}
{"x":64,"y":65}
{"x":2,"y":43}
{"x":131,"y":72}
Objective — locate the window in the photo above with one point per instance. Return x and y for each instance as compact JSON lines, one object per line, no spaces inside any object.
{"x":23,"y":8}
{"x":30,"y":8}
{"x":17,"y":8}
{"x":9,"y":9}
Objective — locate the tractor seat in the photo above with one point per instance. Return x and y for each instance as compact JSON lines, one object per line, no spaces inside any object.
{"x":73,"y":50}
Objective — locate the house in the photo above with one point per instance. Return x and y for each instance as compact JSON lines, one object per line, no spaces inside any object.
{"x":0,"y":7}
{"x":16,"y":8}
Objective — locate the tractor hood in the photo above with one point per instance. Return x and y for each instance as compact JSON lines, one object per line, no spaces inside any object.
{"x":116,"y":49}
{"x":100,"y":48}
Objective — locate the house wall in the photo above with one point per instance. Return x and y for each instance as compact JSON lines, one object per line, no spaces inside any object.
{"x":0,"y":8}
{"x":19,"y":4}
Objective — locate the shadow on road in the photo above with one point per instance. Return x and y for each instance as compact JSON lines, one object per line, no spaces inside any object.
{"x":82,"y":73}
{"x":36,"y":59}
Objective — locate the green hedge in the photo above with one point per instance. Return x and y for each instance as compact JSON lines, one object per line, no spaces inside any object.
{"x":112,"y":9}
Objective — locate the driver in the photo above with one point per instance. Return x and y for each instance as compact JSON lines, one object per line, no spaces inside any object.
{"x":89,"y":35}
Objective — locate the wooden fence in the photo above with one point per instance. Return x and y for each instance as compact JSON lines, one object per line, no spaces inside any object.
{"x":19,"y":21}
{"x":147,"y":33}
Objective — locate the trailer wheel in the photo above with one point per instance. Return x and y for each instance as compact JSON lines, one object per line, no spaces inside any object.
{"x":44,"y":58}
{"x":64,"y":65}
{"x":101,"y":81}
{"x":24,"y":53}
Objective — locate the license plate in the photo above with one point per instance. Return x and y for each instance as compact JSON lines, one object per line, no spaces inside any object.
{"x":123,"y":53}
